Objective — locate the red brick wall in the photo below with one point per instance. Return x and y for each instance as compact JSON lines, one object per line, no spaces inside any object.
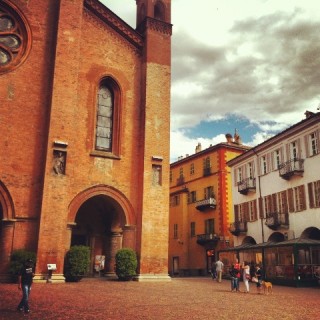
{"x":51,"y":97}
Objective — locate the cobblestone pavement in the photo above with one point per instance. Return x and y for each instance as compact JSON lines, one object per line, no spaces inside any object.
{"x":182,"y":298}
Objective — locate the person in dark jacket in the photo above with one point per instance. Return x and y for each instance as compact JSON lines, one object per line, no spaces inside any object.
{"x":26,"y":275}
{"x":233,"y":275}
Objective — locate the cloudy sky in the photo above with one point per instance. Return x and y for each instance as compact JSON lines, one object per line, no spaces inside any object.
{"x":248,"y":65}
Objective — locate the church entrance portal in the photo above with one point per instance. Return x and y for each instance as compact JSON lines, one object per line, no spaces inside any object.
{"x":99,"y":224}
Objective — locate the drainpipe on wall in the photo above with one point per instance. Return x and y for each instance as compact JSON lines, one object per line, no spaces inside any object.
{"x":260,"y":200}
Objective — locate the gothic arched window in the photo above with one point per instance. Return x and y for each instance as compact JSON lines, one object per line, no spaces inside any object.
{"x":15,"y":40}
{"x":159,"y":11}
{"x":107,"y":121}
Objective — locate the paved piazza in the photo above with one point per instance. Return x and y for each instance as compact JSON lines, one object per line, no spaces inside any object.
{"x":182,"y":298}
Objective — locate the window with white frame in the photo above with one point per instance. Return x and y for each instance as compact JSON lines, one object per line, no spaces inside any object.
{"x":250,"y":172}
{"x":282,"y":202}
{"x":276,"y":159}
{"x":299,"y":198}
{"x":263,"y":164}
{"x":293,"y":150}
{"x":313,"y":144}
{"x":241,"y":212}
{"x":252,"y":207}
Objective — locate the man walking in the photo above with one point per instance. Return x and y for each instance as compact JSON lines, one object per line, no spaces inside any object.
{"x":219,"y":269}
{"x":25,"y":281}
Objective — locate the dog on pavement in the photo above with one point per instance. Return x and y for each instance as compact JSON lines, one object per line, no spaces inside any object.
{"x":267,"y":287}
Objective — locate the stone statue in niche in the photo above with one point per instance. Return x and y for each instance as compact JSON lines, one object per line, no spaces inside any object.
{"x":59,"y":162}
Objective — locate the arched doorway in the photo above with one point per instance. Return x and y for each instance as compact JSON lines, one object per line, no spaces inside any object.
{"x":99,"y":223}
{"x":6,"y":230}
{"x":103,"y":219}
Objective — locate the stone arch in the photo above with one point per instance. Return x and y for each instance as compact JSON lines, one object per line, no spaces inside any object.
{"x":311,"y":233}
{"x":102,"y":218}
{"x":105,"y":190}
{"x":7,"y":223}
{"x":6,"y":203}
{"x":276,"y":237}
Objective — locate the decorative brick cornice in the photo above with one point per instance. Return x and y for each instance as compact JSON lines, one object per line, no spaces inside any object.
{"x":154,"y":24}
{"x":108,"y":17}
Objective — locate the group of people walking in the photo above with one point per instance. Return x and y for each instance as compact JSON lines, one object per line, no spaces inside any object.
{"x":249,"y":272}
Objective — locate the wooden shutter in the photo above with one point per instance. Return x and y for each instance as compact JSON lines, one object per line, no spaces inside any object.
{"x":311,"y":197}
{"x":303,"y":197}
{"x":290,"y":200}
{"x":261,"y":211}
{"x":236,"y":212}
{"x":307,"y":145}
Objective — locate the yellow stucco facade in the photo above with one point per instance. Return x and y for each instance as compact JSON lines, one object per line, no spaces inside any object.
{"x":200,"y":207}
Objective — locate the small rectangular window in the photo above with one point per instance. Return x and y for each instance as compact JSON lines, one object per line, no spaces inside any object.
{"x":175,"y":231}
{"x":156,"y":175}
{"x":191,"y":168}
{"x":192,"y":229}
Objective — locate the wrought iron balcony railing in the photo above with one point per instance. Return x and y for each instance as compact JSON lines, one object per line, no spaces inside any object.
{"x":247,"y":185}
{"x":203,"y":205}
{"x":290,"y":168}
{"x":207,"y":238}
{"x":276,"y":220}
{"x":238,"y":227}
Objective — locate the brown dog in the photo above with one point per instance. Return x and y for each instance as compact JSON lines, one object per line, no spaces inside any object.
{"x":267,"y":287}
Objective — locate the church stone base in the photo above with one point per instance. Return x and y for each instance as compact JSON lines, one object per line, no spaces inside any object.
{"x":152,"y":277}
{"x":55,"y":278}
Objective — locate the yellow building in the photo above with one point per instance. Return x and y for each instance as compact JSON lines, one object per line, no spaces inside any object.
{"x":201,"y":207}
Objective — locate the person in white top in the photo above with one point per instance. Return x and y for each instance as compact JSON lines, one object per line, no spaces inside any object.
{"x":246,"y":275}
{"x":219,"y":269}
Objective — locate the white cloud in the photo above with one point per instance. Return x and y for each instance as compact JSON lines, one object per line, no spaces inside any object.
{"x":257,"y":59}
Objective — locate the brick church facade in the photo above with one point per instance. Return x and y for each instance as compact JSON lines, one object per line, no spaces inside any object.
{"x":84,"y":126}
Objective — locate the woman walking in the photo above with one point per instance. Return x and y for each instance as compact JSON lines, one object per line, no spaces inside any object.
{"x":246,"y":275}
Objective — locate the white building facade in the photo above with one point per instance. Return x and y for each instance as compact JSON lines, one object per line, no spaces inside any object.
{"x":276,"y":200}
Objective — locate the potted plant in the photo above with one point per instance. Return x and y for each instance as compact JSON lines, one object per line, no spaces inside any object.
{"x":126,"y":264}
{"x":17,"y":260}
{"x":77,"y":263}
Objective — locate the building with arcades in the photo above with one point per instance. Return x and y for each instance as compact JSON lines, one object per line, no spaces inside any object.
{"x":84,"y":126}
{"x":276,"y":204}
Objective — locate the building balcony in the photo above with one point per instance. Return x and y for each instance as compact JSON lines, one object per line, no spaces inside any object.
{"x":206,"y":171}
{"x":180,"y":181}
{"x":207,"y":238}
{"x":291,"y":168}
{"x":205,"y":204}
{"x":247,"y":185}
{"x":277,"y":220}
{"x":238,"y":227}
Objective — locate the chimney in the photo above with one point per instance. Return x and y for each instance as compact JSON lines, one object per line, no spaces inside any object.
{"x":198,"y":147}
{"x":308,"y":114}
{"x":229,"y":138}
